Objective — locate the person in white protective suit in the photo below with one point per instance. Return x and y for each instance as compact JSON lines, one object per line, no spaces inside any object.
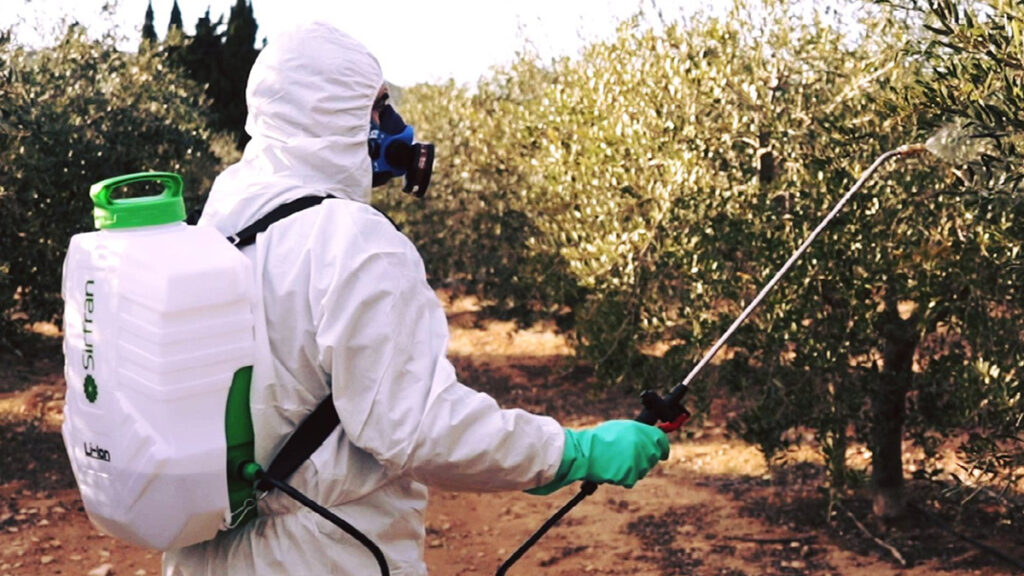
{"x":344,"y":307}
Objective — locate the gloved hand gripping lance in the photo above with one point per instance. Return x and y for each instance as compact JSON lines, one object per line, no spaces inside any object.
{"x":668,"y":413}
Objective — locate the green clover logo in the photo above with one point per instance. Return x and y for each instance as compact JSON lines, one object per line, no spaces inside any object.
{"x":91,"y":390}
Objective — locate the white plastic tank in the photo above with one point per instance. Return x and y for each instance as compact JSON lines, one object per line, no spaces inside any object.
{"x":158,"y":325}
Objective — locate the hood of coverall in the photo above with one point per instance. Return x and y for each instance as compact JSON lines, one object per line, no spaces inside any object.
{"x":309,"y":97}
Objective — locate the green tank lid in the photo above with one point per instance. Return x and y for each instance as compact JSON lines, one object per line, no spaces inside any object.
{"x":166,"y":208}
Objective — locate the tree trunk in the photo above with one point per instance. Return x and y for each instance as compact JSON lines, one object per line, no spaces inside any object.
{"x":837,"y":443}
{"x":766,"y":160}
{"x":888,"y":404}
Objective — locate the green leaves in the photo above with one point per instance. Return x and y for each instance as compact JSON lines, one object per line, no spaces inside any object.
{"x":71,"y":115}
{"x":974,"y":90}
{"x":654,"y":183}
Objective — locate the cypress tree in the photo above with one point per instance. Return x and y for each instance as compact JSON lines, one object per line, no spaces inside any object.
{"x":219,"y":60}
{"x":239,"y":55}
{"x":149,"y":38}
{"x":242,"y":29}
{"x":175,"y":22}
{"x":204,"y":59}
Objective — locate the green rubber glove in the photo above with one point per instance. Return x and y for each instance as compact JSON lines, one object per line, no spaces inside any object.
{"x":619,"y":452}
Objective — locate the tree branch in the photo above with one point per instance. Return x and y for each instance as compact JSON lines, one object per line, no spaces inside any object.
{"x":801,"y":539}
{"x":896,"y":553}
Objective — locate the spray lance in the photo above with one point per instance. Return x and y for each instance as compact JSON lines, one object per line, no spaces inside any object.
{"x":668,"y":412}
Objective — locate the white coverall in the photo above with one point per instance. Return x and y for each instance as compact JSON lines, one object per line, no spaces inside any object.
{"x":344,"y":306}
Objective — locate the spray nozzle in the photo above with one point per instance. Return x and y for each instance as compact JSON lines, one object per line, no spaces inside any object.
{"x":912,"y":149}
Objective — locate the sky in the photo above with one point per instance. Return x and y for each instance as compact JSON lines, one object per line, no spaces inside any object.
{"x":414,"y":40}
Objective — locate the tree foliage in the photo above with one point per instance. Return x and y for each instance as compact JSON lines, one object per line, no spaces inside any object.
{"x":239,"y":55}
{"x":149,"y":37}
{"x":653,"y":184}
{"x":219,"y":60}
{"x":71,"y":115}
{"x":175,"y":22}
{"x":972,"y":93}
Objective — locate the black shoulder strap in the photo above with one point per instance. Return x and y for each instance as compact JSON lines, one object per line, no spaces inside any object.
{"x":248,"y":234}
{"x":312,"y":432}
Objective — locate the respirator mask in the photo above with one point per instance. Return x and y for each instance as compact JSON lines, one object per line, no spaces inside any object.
{"x":394,"y":153}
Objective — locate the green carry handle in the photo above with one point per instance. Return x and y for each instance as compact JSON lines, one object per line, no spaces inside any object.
{"x":165,"y":208}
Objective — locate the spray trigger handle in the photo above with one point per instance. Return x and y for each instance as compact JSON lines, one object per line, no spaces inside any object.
{"x":676,"y":424}
{"x":662,"y":412}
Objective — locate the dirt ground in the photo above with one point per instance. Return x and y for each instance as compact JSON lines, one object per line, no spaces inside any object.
{"x":712,"y":509}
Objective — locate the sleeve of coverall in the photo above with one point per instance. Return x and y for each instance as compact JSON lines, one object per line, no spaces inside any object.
{"x":383,"y":336}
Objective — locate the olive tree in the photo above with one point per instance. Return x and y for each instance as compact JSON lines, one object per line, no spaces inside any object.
{"x":662,"y":177}
{"x":972,"y":97}
{"x":70,"y":115}
{"x":477,"y":227}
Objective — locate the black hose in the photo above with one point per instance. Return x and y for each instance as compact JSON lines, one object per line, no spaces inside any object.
{"x":331,"y":517}
{"x":586,"y":489}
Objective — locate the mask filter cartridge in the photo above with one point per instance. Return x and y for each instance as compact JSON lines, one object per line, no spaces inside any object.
{"x":394,"y":153}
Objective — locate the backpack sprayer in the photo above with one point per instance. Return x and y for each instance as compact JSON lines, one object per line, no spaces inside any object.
{"x":668,"y":410}
{"x":157,"y":424}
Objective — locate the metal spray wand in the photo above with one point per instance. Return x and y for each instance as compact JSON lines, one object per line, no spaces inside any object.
{"x":902,"y":151}
{"x":669,"y":410}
